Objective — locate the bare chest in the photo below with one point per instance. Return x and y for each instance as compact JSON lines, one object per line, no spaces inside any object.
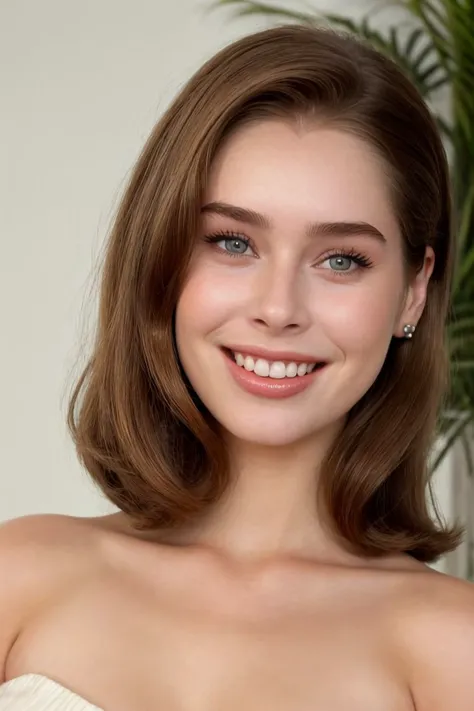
{"x":210,"y":648}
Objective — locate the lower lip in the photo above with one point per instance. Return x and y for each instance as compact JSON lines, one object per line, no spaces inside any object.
{"x":270,"y":387}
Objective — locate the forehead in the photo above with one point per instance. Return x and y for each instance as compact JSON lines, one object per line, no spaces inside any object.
{"x":293,"y":173}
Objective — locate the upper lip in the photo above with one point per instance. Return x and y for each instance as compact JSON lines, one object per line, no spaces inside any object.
{"x":290,"y":356}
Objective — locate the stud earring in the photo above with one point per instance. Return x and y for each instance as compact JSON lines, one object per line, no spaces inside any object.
{"x":409,"y":330}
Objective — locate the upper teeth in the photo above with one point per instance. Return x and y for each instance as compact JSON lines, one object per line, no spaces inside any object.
{"x":275,"y":369}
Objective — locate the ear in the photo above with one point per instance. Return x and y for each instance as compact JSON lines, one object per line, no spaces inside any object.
{"x":415,"y":294}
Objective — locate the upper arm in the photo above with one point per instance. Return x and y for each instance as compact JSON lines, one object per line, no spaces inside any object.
{"x":31,"y":566}
{"x":442,"y":647}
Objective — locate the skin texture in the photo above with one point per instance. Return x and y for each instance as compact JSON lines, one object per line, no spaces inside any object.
{"x":256,"y":606}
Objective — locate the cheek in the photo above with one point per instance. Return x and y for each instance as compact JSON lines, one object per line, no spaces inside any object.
{"x":205,"y":302}
{"x":212,"y":294}
{"x":362,"y":318}
{"x":360,"y":325}
{"x":359,"y":328}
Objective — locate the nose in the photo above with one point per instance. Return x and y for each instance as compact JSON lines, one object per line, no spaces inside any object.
{"x":279,"y":301}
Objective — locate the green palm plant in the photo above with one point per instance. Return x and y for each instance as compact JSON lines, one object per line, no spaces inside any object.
{"x":435,"y":48}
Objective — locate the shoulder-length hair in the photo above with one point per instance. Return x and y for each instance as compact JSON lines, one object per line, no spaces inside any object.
{"x":139,"y":428}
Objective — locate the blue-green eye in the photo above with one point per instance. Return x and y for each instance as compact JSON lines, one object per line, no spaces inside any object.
{"x":341,"y":258}
{"x":347,"y":256}
{"x":235,"y":244}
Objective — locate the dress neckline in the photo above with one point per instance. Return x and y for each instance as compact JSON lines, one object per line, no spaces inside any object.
{"x":38,"y":682}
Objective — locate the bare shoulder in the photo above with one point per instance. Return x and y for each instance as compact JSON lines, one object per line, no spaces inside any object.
{"x":38,"y":554}
{"x":434,"y":620}
{"x":44,"y":535}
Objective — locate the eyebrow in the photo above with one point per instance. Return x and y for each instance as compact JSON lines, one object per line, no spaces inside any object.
{"x":313,"y":229}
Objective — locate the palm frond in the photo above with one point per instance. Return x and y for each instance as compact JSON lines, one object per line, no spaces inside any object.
{"x":465,"y":266}
{"x":243,"y":8}
{"x":433,"y":22}
{"x":451,"y":435}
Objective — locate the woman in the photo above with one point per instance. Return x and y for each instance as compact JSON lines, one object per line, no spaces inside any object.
{"x":260,"y":406}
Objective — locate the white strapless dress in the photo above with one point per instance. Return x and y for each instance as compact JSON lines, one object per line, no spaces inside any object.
{"x":34,"y":692}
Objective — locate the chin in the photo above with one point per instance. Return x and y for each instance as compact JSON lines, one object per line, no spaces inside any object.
{"x":273,"y":431}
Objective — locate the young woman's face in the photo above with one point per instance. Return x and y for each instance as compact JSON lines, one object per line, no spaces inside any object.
{"x":333,"y":295}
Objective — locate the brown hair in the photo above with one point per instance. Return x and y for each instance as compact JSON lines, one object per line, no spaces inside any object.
{"x":140,"y":430}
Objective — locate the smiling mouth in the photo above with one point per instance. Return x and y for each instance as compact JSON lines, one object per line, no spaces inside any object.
{"x":273,"y":370}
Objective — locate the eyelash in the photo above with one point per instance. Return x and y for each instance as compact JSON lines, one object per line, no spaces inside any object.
{"x":360,"y":259}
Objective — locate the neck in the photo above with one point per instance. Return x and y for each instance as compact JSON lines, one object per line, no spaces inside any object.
{"x":270,"y":510}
